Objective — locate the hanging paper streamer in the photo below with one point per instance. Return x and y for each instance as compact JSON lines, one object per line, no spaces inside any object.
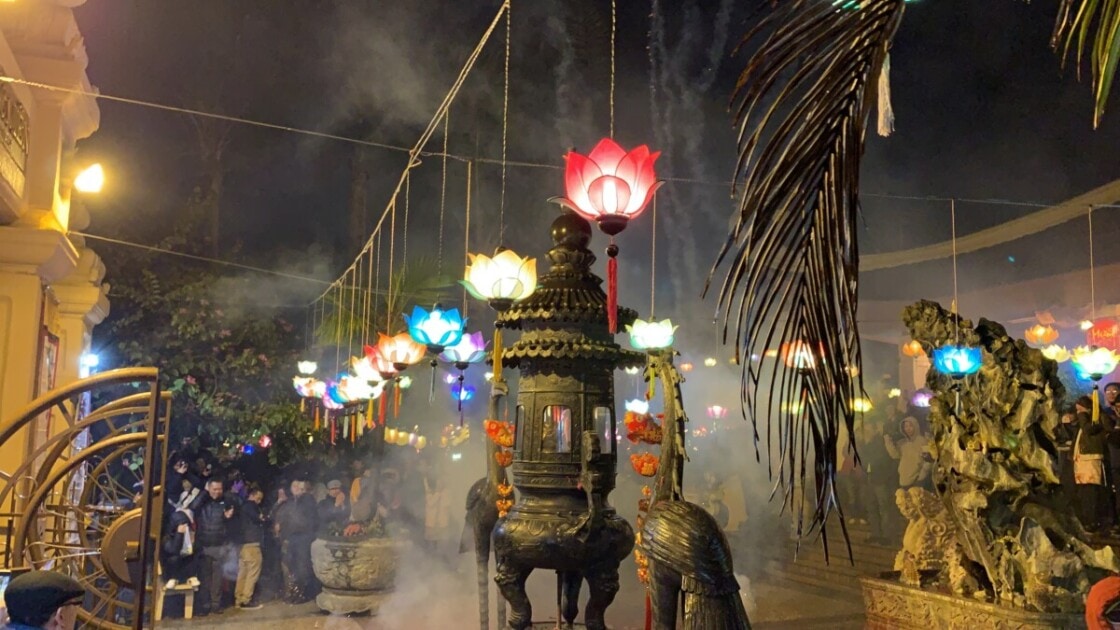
{"x":612,"y":287}
{"x":497,"y":354}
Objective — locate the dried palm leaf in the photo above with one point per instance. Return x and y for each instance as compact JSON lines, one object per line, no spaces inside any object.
{"x":802,"y":104}
{"x":1094,"y":27}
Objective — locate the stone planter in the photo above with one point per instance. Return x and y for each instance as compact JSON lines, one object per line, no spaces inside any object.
{"x":357,"y":575}
{"x":889,"y":604}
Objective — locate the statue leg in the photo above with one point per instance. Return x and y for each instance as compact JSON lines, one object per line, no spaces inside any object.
{"x":664,"y":591}
{"x":570,"y":600}
{"x":482,"y":573}
{"x":511,"y":582}
{"x":602,"y":583}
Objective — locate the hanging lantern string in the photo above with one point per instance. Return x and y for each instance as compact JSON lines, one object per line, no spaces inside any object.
{"x":443,"y":193}
{"x":418,"y":149}
{"x":505,"y":125}
{"x":338,"y":327}
{"x":652,"y":255}
{"x":1092,"y":272}
{"x":377,"y":288}
{"x":467,"y":231}
{"x":369,"y":301}
{"x":404,"y":228}
{"x":953,"y":228}
{"x":389,"y":297}
{"x":350,"y":314}
{"x":614,"y":22}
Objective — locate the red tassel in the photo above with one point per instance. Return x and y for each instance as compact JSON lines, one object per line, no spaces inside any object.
{"x":649,"y":611}
{"x":382,"y":405}
{"x":612,"y":288}
{"x":334,"y":428}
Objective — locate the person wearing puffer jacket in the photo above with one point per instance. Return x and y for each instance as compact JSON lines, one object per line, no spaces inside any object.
{"x":177,"y":553}
{"x":911,"y":449}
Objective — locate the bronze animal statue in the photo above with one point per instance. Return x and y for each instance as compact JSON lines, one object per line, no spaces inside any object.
{"x":482,"y":515}
{"x":687,"y":552}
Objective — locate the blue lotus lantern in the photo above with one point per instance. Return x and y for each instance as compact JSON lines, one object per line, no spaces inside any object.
{"x":437,"y":329}
{"x":462,"y":392}
{"x":957,"y":361}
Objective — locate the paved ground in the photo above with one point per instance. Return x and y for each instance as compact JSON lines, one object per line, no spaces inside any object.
{"x":776,"y":607}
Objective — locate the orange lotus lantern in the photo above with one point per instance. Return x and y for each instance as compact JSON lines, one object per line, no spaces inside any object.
{"x":610,"y":186}
{"x":799,"y":355}
{"x":383,"y":366}
{"x":913,"y":348}
{"x":1041,"y":335}
{"x":401,"y":350}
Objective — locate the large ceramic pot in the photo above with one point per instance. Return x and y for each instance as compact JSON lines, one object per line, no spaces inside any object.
{"x":357,"y":573}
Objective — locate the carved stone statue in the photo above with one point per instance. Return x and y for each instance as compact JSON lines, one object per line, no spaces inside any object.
{"x":996,"y":468}
{"x":927,"y":535}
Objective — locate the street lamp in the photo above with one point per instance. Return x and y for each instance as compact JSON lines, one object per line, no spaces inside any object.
{"x":90,"y":180}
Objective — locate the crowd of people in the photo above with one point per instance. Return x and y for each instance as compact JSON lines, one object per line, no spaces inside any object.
{"x":222,"y":532}
{"x":1091,"y":460}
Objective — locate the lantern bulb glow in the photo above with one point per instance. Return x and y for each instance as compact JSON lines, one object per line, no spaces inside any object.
{"x":651,"y":335}
{"x":637,"y":406}
{"x":957,"y":361}
{"x":90,"y":180}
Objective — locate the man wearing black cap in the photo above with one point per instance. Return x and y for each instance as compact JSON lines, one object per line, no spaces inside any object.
{"x":42,"y":599}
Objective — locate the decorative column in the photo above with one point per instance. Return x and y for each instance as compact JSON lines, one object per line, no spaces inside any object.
{"x":29,"y":259}
{"x":82,"y":304}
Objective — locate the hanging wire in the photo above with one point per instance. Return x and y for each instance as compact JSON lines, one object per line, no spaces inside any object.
{"x":391,"y":298}
{"x":418,"y":148}
{"x":1092,"y":273}
{"x":653,"y":257}
{"x":377,"y":290}
{"x":467,"y":231}
{"x":338,"y":330}
{"x":369,"y":301}
{"x":443,"y":193}
{"x":614,"y":22}
{"x":953,"y":228}
{"x":505,"y":126}
{"x":354,"y":270}
{"x":404,"y":229}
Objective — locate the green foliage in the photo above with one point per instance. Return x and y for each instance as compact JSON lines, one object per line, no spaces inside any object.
{"x":349,"y":311}
{"x":227,"y":362}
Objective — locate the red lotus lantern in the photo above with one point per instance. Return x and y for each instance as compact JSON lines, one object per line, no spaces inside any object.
{"x":1104,"y":333}
{"x":610,"y":186}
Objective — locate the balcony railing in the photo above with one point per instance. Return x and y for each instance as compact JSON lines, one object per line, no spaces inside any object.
{"x":14,"y":131}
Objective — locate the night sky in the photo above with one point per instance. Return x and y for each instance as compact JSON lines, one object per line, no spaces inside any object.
{"x":983,"y":111}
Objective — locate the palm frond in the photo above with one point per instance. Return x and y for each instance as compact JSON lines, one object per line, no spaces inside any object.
{"x":1094,"y":28}
{"x":801,"y":105}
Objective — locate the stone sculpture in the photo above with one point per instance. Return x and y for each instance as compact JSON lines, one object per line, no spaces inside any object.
{"x":927,"y":536}
{"x":996,"y":467}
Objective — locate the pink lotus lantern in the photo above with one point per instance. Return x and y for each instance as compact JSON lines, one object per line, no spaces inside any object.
{"x":383,"y":366}
{"x":715,"y":412}
{"x":470,"y":349}
{"x":610,"y":186}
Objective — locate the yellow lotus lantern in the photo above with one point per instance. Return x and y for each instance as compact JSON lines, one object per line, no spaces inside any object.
{"x":1057,"y":353}
{"x":862,"y":404}
{"x":502,"y":280}
{"x":1041,"y":335}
